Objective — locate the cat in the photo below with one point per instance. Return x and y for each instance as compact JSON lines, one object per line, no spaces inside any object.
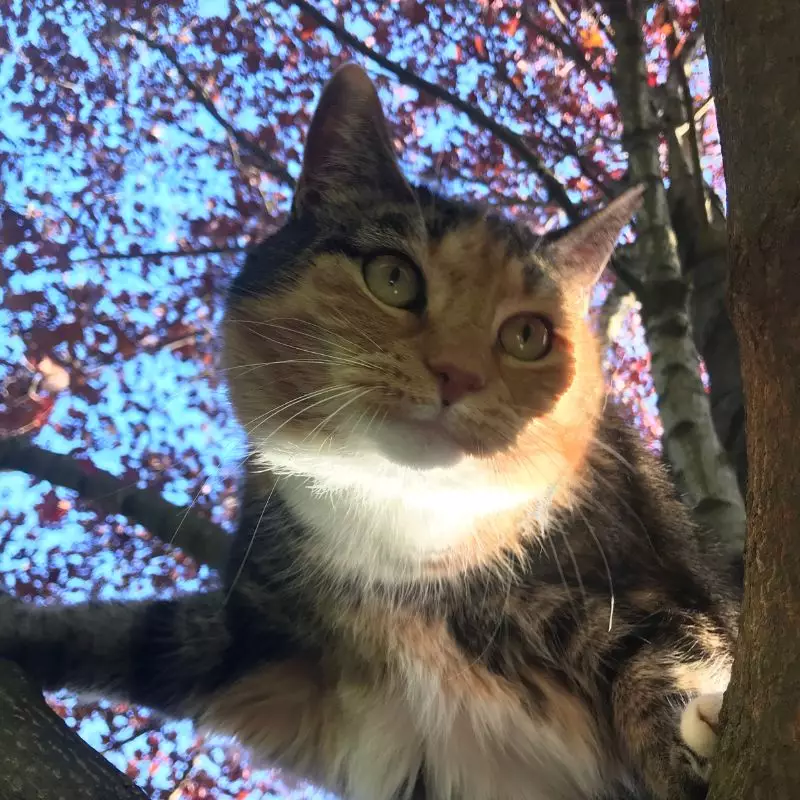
{"x":459,"y":574}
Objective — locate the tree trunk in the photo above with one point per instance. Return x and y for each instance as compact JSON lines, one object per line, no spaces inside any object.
{"x":41,"y":758}
{"x":699,"y":463}
{"x":704,"y":255}
{"x":701,"y":230}
{"x":755,"y":72}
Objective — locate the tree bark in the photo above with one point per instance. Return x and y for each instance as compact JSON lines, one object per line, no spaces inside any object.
{"x":701,"y":230}
{"x":41,"y":758}
{"x":699,"y":463}
{"x":704,"y":255}
{"x":755,"y":72}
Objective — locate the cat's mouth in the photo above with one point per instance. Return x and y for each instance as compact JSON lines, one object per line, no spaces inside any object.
{"x":421,"y":444}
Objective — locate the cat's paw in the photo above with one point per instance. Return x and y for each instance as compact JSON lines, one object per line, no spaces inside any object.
{"x":699,"y":731}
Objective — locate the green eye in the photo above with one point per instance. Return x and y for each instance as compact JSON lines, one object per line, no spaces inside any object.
{"x":394,"y":281}
{"x":527,"y":337}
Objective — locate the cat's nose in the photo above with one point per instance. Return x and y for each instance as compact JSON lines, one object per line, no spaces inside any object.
{"x":455,"y":382}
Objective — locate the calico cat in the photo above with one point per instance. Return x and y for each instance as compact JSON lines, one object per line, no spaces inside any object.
{"x":459,"y":575}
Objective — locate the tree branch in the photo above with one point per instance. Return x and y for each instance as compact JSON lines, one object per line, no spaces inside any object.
{"x":690,"y":440}
{"x":555,"y":190}
{"x":198,"y":251}
{"x":267,"y":161}
{"x":201,"y":539}
{"x":41,"y":758}
{"x":678,"y":68}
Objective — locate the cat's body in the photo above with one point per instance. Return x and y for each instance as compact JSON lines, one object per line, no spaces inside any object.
{"x":503,"y":685}
{"x":458,"y":576}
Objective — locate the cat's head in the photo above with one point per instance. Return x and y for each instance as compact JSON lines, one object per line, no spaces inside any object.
{"x":386,"y":321}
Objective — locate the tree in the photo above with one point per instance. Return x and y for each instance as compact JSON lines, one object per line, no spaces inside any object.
{"x":39,"y":758}
{"x":755,"y":76}
{"x":146,"y":146}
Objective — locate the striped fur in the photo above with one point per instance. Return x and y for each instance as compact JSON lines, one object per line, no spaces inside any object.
{"x":532,"y":618}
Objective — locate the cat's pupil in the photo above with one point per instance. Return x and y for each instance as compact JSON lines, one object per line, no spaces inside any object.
{"x":525,"y":334}
{"x":394,"y":277}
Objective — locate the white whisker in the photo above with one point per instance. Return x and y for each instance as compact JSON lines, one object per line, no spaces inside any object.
{"x":250,"y":544}
{"x":265,"y":417}
{"x":334,"y":413}
{"x":307,"y":408}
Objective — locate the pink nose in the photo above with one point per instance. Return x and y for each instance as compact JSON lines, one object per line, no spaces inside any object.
{"x":454,"y":382}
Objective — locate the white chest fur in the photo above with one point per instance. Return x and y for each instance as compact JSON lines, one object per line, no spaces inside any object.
{"x":376,"y":520}
{"x":368,"y":741}
{"x":482,"y":747}
{"x":431,"y":709}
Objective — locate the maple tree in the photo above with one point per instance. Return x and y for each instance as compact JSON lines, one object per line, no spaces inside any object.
{"x":145,"y":146}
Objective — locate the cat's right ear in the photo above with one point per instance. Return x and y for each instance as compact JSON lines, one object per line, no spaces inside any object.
{"x":348,"y":156}
{"x":581,"y":254}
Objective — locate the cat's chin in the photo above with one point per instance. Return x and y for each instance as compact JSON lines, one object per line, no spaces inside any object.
{"x":419,"y":445}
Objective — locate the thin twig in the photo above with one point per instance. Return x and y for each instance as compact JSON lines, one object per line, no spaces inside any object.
{"x":678,"y":66}
{"x":154,"y":254}
{"x":267,"y":161}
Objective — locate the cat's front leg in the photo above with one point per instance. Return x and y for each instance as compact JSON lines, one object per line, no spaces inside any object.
{"x":668,"y":742}
{"x":699,"y":730}
{"x":674,"y":749}
{"x":170,"y":655}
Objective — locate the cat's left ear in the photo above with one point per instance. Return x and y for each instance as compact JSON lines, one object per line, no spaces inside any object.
{"x":581,"y":254}
{"x":348,"y":158}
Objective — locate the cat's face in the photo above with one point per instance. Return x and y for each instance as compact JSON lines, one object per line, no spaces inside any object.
{"x":391,"y":322}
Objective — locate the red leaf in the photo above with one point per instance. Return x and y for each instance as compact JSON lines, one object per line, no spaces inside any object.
{"x":253,"y":61}
{"x":308,"y":25}
{"x":22,"y":302}
{"x":417,"y":14}
{"x":13,"y":227}
{"x":510,"y":28}
{"x":52,"y":509}
{"x":480,"y":48}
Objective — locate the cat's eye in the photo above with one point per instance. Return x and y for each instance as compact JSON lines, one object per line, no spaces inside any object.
{"x":526,"y":337}
{"x":395,"y":281}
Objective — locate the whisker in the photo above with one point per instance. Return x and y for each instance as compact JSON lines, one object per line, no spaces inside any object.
{"x":361,"y":332}
{"x":298,"y":332}
{"x":269,"y":414}
{"x":561,"y":575}
{"x":608,"y":569}
{"x":607,"y":448}
{"x":332,"y":357}
{"x":250,"y":544}
{"x":307,"y":408}
{"x":257,"y":364}
{"x":574,"y":561}
{"x":328,"y":331}
{"x":333,"y":414}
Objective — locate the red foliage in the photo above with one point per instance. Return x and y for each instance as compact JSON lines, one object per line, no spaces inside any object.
{"x":52,"y":508}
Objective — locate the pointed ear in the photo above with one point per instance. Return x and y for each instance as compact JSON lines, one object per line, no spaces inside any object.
{"x":348,"y":154}
{"x":582,"y":253}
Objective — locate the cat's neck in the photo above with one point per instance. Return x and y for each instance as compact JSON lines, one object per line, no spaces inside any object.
{"x":376,"y":521}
